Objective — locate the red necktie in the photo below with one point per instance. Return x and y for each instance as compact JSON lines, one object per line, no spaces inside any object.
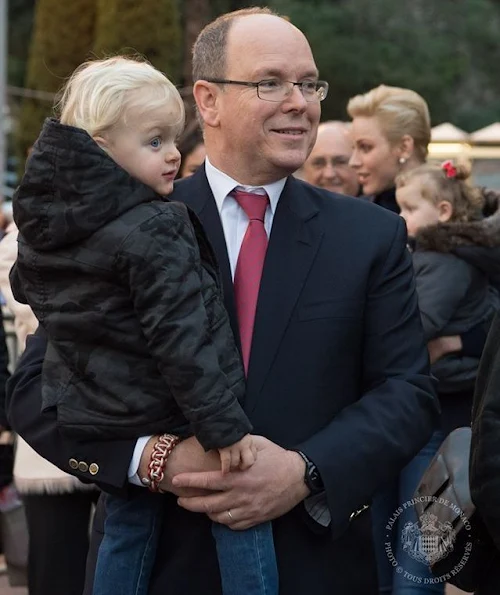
{"x":249,"y":266}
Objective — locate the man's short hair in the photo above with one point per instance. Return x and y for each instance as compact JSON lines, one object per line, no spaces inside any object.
{"x":209,"y":50}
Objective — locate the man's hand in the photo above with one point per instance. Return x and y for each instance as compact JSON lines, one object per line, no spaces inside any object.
{"x":270,"y":488}
{"x":442,"y":346}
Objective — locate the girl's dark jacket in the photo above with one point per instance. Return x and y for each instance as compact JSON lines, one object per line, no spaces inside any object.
{"x":126,"y":285}
{"x":457,"y":269}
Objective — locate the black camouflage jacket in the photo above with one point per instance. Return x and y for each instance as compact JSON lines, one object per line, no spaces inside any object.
{"x":126,"y":285}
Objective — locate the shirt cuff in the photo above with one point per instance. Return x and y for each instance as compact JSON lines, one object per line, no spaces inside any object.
{"x":140,"y":445}
{"x":317,"y":508}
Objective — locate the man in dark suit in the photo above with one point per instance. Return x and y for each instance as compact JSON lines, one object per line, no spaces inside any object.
{"x":337,"y":369}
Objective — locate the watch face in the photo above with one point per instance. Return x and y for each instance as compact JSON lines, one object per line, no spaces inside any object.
{"x":312,"y":478}
{"x":315,"y":479}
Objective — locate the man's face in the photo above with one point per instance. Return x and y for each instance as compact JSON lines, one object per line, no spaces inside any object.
{"x":258,"y":141}
{"x":328,"y":164}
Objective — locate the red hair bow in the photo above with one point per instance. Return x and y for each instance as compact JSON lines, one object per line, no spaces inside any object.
{"x":450,"y":169}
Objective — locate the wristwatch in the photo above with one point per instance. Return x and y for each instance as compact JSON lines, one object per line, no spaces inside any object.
{"x":312,"y":478}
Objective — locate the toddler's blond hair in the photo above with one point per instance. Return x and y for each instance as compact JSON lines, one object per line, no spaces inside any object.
{"x":99,"y":92}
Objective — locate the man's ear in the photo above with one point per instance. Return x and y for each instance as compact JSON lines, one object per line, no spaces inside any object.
{"x":445,"y":211}
{"x":206,"y":96}
{"x":102,"y":142}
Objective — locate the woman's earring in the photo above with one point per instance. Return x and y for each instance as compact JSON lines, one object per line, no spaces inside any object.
{"x":402,"y":160}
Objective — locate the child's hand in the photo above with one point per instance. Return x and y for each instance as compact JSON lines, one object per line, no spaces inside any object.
{"x":240,"y":455}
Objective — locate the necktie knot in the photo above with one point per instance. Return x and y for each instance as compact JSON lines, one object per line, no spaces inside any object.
{"x":254,"y":205}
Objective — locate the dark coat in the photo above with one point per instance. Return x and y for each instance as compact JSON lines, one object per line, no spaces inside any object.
{"x":338,"y":369}
{"x":386,"y":199}
{"x":126,"y":285}
{"x":485,"y":453}
{"x":456,"y":267}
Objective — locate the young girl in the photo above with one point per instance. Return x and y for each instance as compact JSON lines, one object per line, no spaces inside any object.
{"x":126,"y":286}
{"x":454,"y":257}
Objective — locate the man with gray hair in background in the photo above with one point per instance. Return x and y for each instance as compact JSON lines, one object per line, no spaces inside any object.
{"x":328,"y":164}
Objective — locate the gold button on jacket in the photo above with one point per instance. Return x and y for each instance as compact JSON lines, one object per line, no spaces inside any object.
{"x":73,"y":463}
{"x":83,"y":467}
{"x":93,"y":469}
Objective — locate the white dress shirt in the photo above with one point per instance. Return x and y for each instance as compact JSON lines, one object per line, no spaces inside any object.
{"x":234,"y":223}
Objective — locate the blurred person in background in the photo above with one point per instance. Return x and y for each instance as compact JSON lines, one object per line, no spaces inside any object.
{"x":456,"y":255}
{"x":6,"y":452}
{"x":58,"y":506}
{"x":192,"y":149}
{"x":328,"y":164}
{"x":391,"y":131}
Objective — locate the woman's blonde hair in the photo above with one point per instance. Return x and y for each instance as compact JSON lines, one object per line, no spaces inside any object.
{"x":450,"y":182}
{"x":399,"y":112}
{"x":99,"y":92}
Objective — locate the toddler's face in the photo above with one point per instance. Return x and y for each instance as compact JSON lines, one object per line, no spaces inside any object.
{"x":416,"y":210}
{"x":143,"y":143}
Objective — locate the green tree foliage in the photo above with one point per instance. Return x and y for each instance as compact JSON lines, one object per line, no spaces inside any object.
{"x":150,"y":28}
{"x":63,"y":33}
{"x":196,"y":14}
{"x":448,"y":50}
{"x":444,"y":50}
{"x":19,"y":30}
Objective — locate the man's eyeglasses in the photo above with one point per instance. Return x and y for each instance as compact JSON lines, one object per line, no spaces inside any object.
{"x":277,"y":90}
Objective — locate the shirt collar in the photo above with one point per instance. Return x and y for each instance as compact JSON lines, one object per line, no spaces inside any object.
{"x":221,"y":185}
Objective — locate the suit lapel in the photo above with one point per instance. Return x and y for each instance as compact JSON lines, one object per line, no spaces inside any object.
{"x":294,"y":241}
{"x":195,"y":192}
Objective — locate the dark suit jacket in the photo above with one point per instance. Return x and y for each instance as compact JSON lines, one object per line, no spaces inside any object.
{"x":338,"y":369}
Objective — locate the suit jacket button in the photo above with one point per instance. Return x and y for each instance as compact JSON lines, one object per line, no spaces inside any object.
{"x":93,"y":469}
{"x":73,"y":463}
{"x":83,"y":467}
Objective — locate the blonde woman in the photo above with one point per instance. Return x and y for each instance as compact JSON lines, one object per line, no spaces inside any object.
{"x":391,"y":130}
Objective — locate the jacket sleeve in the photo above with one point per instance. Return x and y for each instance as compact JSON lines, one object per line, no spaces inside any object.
{"x":485,"y":446}
{"x":24,"y":406}
{"x":442,"y":283}
{"x":371,"y":440}
{"x":160,"y":262}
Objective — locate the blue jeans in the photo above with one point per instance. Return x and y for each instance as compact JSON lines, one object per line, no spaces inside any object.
{"x":247,"y":560}
{"x":128,"y":551}
{"x":413,"y":577}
